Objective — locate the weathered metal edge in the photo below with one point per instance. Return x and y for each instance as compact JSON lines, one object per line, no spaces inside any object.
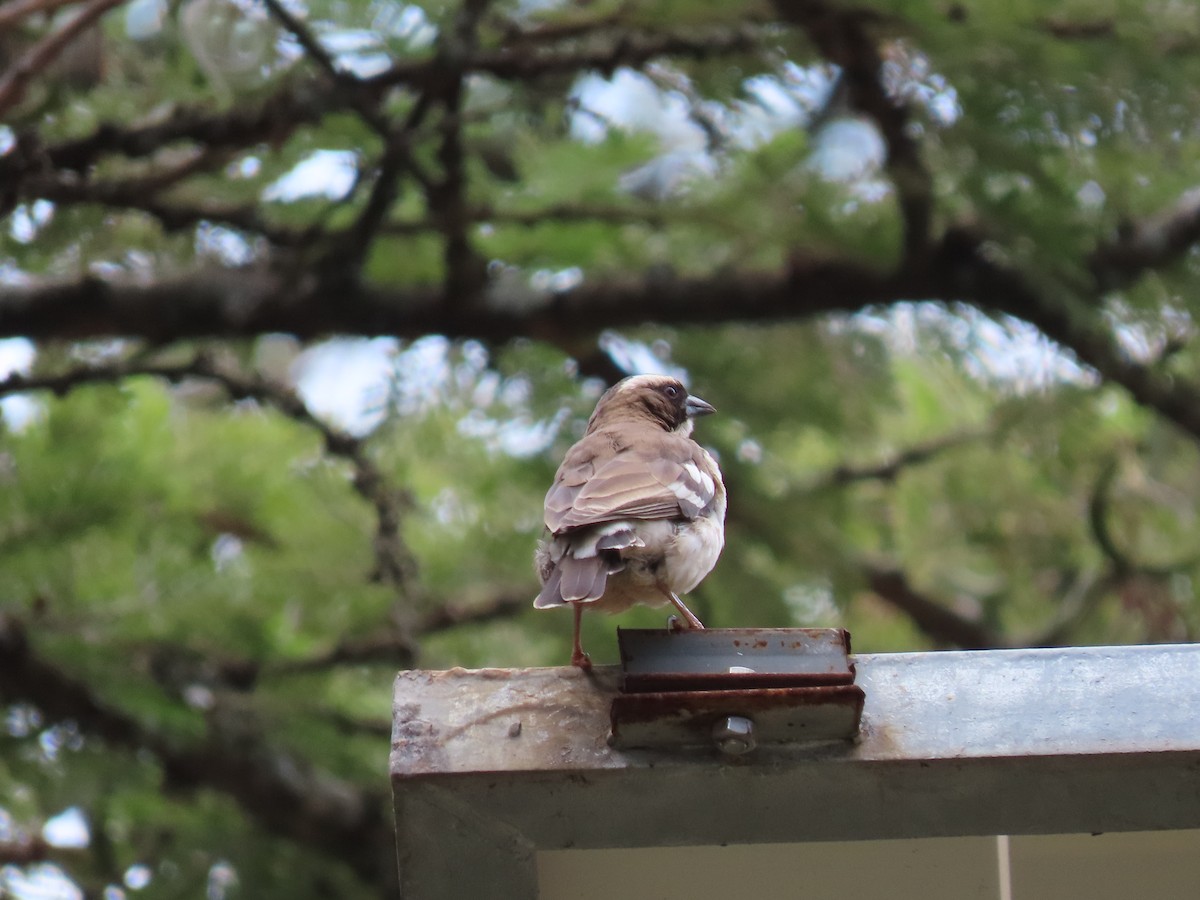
{"x":991,"y":742}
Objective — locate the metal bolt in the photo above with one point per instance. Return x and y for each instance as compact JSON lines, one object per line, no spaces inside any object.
{"x":734,"y":735}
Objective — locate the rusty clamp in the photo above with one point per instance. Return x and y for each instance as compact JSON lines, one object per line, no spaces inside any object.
{"x":734,"y":688}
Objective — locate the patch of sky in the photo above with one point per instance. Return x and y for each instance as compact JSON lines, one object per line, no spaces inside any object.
{"x":845,"y":147}
{"x":1003,"y":351}
{"x":57,"y":738}
{"x":224,"y":244}
{"x":22,"y":720}
{"x":849,"y":149}
{"x":68,"y":829}
{"x":639,"y":358}
{"x":246,"y":167}
{"x":222,"y":880}
{"x":16,"y":356}
{"x":40,"y":881}
{"x":357,"y":384}
{"x":28,"y":220}
{"x":556,"y":281}
{"x":360,"y":51}
{"x":137,"y":877}
{"x":145,"y":19}
{"x":323,"y":173}
{"x":421,"y":375}
{"x":345,"y":381}
{"x":1143,"y":341}
{"x":403,"y":22}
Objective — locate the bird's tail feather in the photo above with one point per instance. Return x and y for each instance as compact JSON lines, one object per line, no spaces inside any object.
{"x":583,"y":579}
{"x":551,"y":593}
{"x":578,"y":572}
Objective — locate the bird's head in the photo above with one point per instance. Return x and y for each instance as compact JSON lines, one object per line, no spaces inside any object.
{"x":657,"y":398}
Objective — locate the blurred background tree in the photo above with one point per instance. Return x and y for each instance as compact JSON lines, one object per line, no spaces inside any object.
{"x":302,"y":301}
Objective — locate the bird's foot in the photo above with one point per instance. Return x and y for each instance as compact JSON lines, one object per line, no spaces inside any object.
{"x":581,"y":660}
{"x":689,"y":621}
{"x":676,"y":624}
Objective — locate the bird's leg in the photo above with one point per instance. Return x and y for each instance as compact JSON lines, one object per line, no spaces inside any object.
{"x":578,"y":657}
{"x":689,"y":618}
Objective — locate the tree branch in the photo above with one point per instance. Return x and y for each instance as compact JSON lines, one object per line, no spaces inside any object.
{"x":24,"y":849}
{"x":891,"y":468}
{"x":940,"y":624}
{"x":449,"y":615}
{"x":43,"y":53}
{"x":841,"y":36}
{"x":1122,"y":565}
{"x":142,"y":194}
{"x":304,"y":101}
{"x":253,"y":301}
{"x":16,"y":10}
{"x":465,"y":271}
{"x":522,"y":62}
{"x":1150,"y":243}
{"x":401,"y":650}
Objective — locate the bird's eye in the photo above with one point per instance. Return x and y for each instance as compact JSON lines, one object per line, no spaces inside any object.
{"x":671,"y":391}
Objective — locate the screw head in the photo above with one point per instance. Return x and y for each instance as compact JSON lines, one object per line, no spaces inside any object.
{"x":734,"y":735}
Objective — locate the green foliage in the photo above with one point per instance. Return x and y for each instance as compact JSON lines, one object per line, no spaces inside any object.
{"x":158,"y":539}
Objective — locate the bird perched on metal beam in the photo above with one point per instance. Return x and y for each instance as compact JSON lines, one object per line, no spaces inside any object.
{"x":636,"y":513}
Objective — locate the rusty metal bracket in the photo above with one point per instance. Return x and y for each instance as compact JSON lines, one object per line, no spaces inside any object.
{"x":734,"y":688}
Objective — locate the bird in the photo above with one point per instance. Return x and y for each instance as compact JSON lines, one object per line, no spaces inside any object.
{"x":636,"y":512}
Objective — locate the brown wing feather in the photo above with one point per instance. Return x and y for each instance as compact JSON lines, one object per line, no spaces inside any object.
{"x":601,"y":481}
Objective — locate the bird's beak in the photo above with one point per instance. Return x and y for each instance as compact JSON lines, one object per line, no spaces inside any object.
{"x":694,"y":406}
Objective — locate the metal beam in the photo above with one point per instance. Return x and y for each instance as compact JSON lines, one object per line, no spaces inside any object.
{"x":492,"y":765}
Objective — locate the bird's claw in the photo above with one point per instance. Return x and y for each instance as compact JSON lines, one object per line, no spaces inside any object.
{"x":581,"y":660}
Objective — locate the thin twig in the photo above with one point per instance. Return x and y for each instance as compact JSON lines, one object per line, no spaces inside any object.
{"x":890,"y":469}
{"x":669,"y":79}
{"x":13,"y":12}
{"x":308,"y":41}
{"x":43,"y":53}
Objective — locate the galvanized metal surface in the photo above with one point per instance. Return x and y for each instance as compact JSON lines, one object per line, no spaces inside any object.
{"x":494,"y":765}
{"x":733,"y":658}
